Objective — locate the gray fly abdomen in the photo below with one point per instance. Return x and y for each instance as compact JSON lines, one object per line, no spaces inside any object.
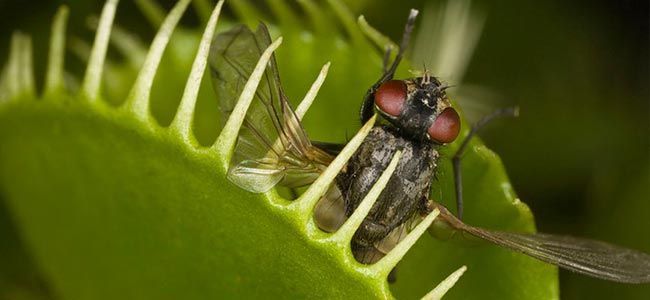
{"x":403,"y":196}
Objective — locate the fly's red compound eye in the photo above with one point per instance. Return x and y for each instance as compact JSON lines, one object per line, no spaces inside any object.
{"x":446,"y":126}
{"x":390,"y":97}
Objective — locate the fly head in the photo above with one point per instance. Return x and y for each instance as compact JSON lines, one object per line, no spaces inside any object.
{"x":418,"y":108}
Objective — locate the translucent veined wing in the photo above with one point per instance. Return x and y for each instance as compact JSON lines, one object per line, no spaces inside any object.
{"x":589,"y":257}
{"x":329,"y":213}
{"x":397,"y":235}
{"x":272,"y":146}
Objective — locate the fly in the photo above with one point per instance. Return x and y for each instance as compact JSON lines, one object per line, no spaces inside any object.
{"x":418,"y":119}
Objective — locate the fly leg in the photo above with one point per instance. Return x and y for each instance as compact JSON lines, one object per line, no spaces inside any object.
{"x":386,"y":60}
{"x":367,"y":107}
{"x":458,"y":184}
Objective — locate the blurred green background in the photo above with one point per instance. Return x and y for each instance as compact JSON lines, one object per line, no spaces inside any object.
{"x":579,"y":155}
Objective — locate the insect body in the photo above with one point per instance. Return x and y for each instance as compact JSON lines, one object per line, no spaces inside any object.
{"x":420,"y":120}
{"x":273,"y":149}
{"x":404,"y":196}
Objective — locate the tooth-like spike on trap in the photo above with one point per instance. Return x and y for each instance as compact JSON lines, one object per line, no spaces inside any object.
{"x":138,"y":100}
{"x":18,"y":76}
{"x":388,"y":262}
{"x":9,"y":82}
{"x":125,"y":42}
{"x":306,"y":102}
{"x":13,"y":66}
{"x":54,"y":75}
{"x":93,"y":77}
{"x":443,"y":287}
{"x":306,"y":202}
{"x":182,"y":123}
{"x":225,"y":144}
{"x":27,"y":67}
{"x":345,"y":233}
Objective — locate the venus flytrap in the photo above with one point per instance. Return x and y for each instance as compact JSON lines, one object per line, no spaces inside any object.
{"x":98,"y":181}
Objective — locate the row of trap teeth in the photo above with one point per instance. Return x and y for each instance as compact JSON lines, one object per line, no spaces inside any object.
{"x":18,"y":81}
{"x":303,"y":207}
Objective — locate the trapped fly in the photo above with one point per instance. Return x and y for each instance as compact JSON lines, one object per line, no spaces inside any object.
{"x":418,"y":120}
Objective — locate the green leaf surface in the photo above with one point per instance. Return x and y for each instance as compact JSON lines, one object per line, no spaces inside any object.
{"x":114,"y":207}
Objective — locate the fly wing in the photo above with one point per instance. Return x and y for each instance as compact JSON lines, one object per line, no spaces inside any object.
{"x":329,"y":213}
{"x":589,"y":257}
{"x":594,"y":258}
{"x":272,"y":146}
{"x":396,"y":236}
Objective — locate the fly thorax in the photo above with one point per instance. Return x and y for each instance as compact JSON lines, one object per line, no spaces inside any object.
{"x":418,"y":115}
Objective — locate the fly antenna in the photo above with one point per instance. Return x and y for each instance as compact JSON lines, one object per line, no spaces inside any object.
{"x":386,"y":59}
